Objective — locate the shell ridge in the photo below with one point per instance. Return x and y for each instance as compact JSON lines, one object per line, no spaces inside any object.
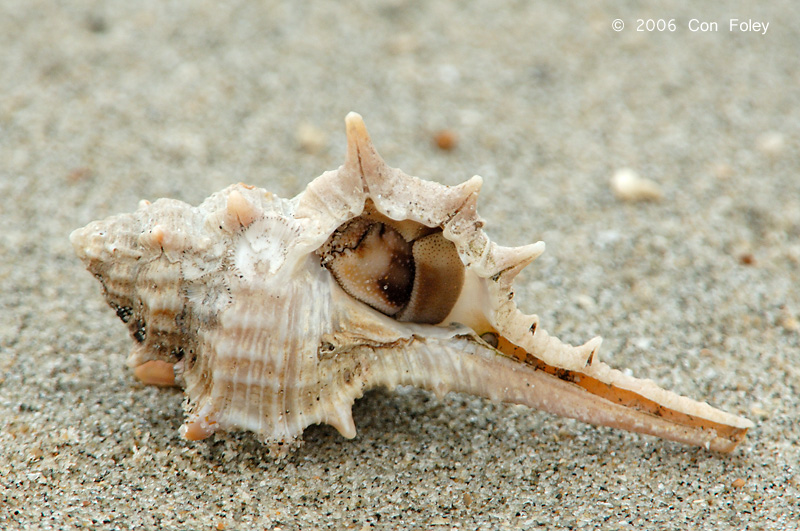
{"x":463,"y":365}
{"x":245,"y":336}
{"x":237,"y":296}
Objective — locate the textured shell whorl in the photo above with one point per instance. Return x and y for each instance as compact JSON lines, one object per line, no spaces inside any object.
{"x":233,"y":292}
{"x":275,"y":314}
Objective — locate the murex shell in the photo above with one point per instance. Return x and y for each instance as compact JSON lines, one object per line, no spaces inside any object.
{"x":275,"y":314}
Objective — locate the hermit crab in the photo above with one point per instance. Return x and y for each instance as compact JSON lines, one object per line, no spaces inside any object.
{"x":274,"y":314}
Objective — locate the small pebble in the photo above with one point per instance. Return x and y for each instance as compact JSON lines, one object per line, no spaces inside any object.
{"x":467,"y":498}
{"x":629,"y":186}
{"x":446,"y":140}
{"x":788,"y":321}
{"x":747,"y":259}
{"x":771,"y":143}
{"x":738,"y":483}
{"x":310,"y":138}
{"x":585,"y":302}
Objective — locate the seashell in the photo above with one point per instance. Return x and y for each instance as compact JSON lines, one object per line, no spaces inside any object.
{"x":274,"y":314}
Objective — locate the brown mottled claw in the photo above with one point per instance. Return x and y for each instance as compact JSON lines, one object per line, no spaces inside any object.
{"x":275,"y":314}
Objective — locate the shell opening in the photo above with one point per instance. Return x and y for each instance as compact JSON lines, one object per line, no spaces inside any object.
{"x":403,"y":269}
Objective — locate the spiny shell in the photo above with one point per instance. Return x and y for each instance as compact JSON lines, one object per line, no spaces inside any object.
{"x":276,"y":314}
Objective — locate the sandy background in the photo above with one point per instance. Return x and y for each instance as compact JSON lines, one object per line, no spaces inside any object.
{"x":102,"y":104}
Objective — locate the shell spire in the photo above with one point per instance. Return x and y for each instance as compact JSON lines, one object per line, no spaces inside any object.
{"x":275,"y":314}
{"x":360,"y":150}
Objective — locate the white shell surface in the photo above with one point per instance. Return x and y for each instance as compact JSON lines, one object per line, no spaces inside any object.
{"x":235,"y":295}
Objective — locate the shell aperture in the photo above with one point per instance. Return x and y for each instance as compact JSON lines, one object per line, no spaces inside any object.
{"x":405,"y":270}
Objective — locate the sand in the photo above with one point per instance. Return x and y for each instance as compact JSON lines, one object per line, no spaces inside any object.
{"x":103,"y":104}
